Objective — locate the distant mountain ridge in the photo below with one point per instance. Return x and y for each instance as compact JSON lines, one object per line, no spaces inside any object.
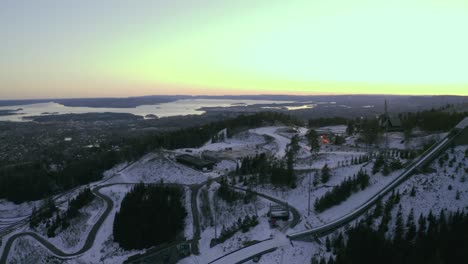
{"x":131,"y":102}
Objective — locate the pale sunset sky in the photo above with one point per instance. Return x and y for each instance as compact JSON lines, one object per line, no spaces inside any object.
{"x":118,"y":48}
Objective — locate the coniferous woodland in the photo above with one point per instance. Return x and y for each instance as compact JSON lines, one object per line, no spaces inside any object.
{"x":427,"y":239}
{"x":432,"y":120}
{"x":84,"y":198}
{"x":150,"y":215}
{"x":270,"y":170}
{"x":55,"y":171}
{"x":230,"y":195}
{"x":241,"y":225}
{"x":327,"y":121}
{"x":341,"y":192}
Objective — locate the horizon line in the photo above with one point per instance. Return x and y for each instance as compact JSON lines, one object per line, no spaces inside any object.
{"x":228,"y":95}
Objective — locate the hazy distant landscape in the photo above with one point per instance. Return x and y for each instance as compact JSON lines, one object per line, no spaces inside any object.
{"x":165,"y":106}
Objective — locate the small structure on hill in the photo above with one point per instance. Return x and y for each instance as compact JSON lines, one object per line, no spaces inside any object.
{"x":390,"y":123}
{"x":278,"y":212}
{"x":195,"y":162}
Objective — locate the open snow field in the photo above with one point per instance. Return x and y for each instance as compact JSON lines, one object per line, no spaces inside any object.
{"x":438,"y":190}
{"x":157,"y":167}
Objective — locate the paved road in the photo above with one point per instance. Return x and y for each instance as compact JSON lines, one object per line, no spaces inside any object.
{"x":13,"y":226}
{"x":89,"y":240}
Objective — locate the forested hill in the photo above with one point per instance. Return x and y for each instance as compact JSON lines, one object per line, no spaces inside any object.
{"x":50,"y":173}
{"x":418,"y":239}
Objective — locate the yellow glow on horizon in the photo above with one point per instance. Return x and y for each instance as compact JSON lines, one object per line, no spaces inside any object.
{"x":413,"y":47}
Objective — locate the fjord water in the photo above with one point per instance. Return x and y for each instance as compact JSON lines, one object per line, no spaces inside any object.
{"x":180,"y":107}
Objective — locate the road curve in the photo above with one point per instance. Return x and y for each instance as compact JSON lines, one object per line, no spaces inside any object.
{"x":295,"y":213}
{"x":53,"y":249}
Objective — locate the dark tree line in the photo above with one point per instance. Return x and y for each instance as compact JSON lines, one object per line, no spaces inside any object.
{"x":325,"y":174}
{"x":267,"y":169}
{"x":313,"y":140}
{"x":43,"y":214}
{"x":36,"y":180}
{"x":241,"y":225}
{"x":54,"y":171}
{"x":253,"y":165}
{"x":290,"y":177}
{"x":46,"y":212}
{"x":428,"y":239}
{"x":150,"y":215}
{"x":341,"y":192}
{"x":370,"y":130}
{"x":84,"y":198}
{"x":386,"y":166}
{"x":327,"y":121}
{"x":432,"y":120}
{"x":230,"y":195}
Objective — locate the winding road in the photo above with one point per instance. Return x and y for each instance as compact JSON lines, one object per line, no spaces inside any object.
{"x":89,"y":240}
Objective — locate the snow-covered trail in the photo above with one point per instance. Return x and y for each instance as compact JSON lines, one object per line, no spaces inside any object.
{"x":281,"y":141}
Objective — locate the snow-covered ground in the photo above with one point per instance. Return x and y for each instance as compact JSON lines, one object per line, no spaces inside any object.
{"x":434,"y":191}
{"x":241,"y":141}
{"x":438,"y":190}
{"x":280,"y":140}
{"x":105,"y":250}
{"x":155,"y":167}
{"x":73,"y":238}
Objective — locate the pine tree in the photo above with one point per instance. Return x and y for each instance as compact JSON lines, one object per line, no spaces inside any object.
{"x":411,"y":233}
{"x":312,"y":138}
{"x":378,"y":209}
{"x":325,"y":174}
{"x":379,"y":161}
{"x":399,"y":227}
{"x":422,"y":226}
{"x":316,"y":178}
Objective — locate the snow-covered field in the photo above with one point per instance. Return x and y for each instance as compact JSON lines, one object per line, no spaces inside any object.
{"x":438,"y":190}
{"x":159,"y":166}
{"x":446,"y":188}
